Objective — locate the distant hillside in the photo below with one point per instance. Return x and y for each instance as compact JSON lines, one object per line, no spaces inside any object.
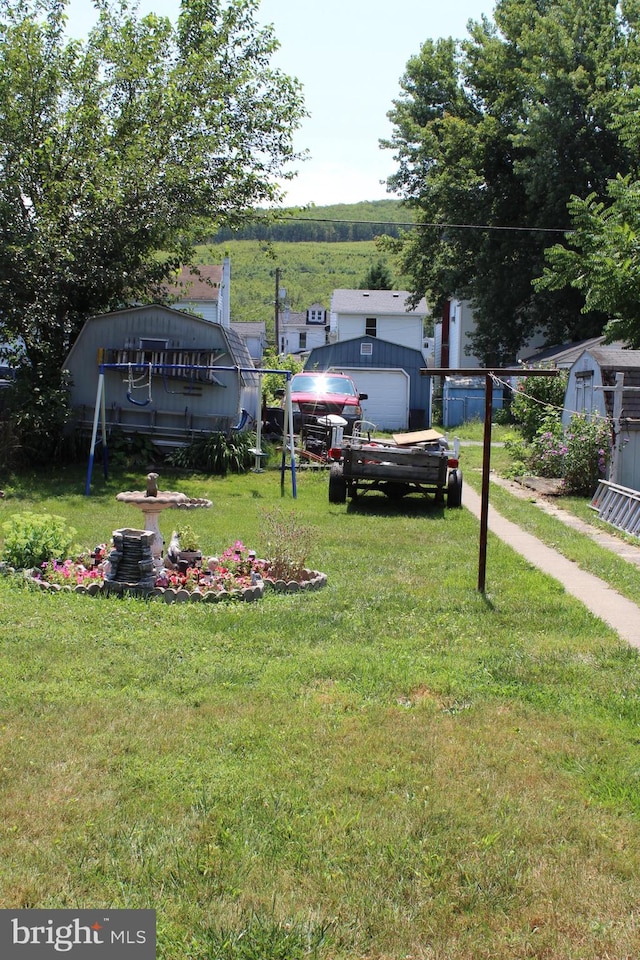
{"x":340,"y":223}
{"x":309,"y":272}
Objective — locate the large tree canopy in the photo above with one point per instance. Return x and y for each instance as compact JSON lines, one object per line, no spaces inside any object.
{"x":115,"y":149}
{"x":601,"y":258}
{"x":493,"y":135}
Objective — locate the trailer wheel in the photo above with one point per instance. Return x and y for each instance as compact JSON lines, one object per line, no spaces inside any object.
{"x":454,"y":489}
{"x":337,"y":484}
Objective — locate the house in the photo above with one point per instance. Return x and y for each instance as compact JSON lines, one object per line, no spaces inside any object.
{"x":604,"y":380}
{"x":300,"y":332}
{"x":254,"y":334}
{"x":152,"y":384}
{"x":452,"y":335}
{"x":378,"y":339}
{"x":398,"y":396}
{"x":383,"y":314}
{"x":204,"y":290}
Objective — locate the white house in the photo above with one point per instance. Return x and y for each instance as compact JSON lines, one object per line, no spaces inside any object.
{"x":204,"y":290}
{"x":453,"y":332}
{"x":301,"y":332}
{"x":385,"y":314}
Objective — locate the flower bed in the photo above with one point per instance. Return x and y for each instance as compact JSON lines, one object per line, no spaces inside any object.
{"x":237,"y":574}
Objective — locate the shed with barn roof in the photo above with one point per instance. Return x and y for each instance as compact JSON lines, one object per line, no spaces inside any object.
{"x":604,"y":380}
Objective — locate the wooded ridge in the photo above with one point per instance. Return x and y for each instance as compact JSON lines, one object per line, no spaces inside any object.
{"x":337,"y":223}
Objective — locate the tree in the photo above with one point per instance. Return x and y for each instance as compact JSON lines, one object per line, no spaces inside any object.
{"x":602,"y":258}
{"x":117,"y":152}
{"x":377,"y":277}
{"x":493,"y":135}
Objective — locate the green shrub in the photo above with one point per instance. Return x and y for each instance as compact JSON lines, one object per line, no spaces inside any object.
{"x":272,"y":382}
{"x":534,"y":399}
{"x":128,"y":451}
{"x":587,"y":456}
{"x":548,"y":449}
{"x":30,"y":539}
{"x":216,"y":453}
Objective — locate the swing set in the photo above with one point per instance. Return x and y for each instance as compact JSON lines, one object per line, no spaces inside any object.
{"x":139,"y":377}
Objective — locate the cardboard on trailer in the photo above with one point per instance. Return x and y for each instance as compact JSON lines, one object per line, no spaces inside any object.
{"x":417,"y":436}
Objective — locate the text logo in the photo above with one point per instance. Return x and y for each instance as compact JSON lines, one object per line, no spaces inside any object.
{"x":78,"y":934}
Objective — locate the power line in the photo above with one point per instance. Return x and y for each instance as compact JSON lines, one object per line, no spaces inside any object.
{"x":414,"y":225}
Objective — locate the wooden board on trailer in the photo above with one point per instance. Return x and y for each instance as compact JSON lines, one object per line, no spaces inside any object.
{"x":417,"y":436}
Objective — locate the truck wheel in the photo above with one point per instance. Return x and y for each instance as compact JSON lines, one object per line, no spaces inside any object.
{"x":337,"y":484}
{"x":454,"y":489}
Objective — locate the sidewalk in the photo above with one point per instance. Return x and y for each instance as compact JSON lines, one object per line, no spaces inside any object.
{"x":604,"y":602}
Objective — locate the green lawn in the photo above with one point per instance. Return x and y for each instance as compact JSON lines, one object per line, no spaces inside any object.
{"x":394,"y":766}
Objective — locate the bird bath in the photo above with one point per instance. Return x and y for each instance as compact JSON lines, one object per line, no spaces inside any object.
{"x":152,"y":502}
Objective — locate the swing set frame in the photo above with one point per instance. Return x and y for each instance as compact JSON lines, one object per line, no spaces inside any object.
{"x":99,"y":415}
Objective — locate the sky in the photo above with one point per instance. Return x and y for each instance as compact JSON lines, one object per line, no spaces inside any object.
{"x":349,"y":56}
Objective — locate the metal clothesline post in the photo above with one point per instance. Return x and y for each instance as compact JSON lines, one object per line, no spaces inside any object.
{"x":490,"y":374}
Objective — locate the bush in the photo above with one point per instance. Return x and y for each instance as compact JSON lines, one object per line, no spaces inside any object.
{"x":130,"y":451}
{"x":216,"y":453}
{"x":534,"y":399}
{"x":587,"y":456}
{"x":31,"y":539}
{"x":271,"y":382}
{"x":549,"y":449}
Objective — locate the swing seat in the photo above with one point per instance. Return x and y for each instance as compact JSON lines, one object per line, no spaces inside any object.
{"x":138,"y":403}
{"x":243,"y":420}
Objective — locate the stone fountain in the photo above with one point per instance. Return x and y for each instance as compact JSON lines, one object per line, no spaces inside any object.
{"x":152,"y":502}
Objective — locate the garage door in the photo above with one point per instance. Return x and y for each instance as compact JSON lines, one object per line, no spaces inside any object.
{"x":388,"y":395}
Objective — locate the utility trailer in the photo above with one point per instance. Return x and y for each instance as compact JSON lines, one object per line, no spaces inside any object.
{"x":396,"y":470}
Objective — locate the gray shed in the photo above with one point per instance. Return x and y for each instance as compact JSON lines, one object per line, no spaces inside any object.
{"x":160,"y":399}
{"x":399,"y":397}
{"x":590,"y":389}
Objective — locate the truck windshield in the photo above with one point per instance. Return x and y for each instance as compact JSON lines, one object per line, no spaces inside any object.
{"x":322,"y":384}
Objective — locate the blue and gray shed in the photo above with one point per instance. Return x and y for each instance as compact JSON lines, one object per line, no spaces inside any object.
{"x":399,"y":397}
{"x":168,"y":374}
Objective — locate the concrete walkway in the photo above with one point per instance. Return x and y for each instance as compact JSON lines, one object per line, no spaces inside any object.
{"x":615,"y":610}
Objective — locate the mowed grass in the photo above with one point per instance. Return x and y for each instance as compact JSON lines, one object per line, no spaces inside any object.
{"x":395,"y":766}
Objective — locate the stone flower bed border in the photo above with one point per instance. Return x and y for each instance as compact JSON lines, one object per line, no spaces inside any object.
{"x":105,"y":588}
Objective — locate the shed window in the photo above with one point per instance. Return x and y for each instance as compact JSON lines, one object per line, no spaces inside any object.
{"x":366,"y":349}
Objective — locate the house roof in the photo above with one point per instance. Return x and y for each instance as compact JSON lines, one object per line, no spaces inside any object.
{"x":379,"y":302}
{"x":250,"y":328}
{"x":238,"y":349}
{"x":293,"y":319}
{"x":562,"y":355}
{"x":384,"y":353}
{"x":615,"y":357}
{"x":201,"y":283}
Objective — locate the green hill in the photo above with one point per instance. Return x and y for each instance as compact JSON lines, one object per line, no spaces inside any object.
{"x":316,"y":249}
{"x":338,"y":223}
{"x":309,"y":272}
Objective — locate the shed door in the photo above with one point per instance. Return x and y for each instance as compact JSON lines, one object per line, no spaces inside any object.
{"x":388,"y":395}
